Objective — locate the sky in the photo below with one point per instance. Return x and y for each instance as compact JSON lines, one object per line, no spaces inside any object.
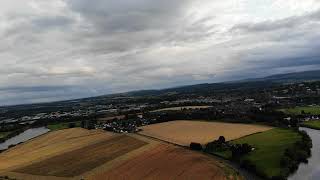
{"x":64,"y":49}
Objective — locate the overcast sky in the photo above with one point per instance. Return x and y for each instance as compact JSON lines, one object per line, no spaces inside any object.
{"x":63,"y":49}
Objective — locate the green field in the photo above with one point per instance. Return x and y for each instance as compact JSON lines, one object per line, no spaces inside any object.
{"x":314,"y":110}
{"x":269,"y":149}
{"x":64,"y":125}
{"x":4,"y":134}
{"x":312,"y":124}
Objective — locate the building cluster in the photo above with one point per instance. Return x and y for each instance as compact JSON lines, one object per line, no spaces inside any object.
{"x":225,"y":103}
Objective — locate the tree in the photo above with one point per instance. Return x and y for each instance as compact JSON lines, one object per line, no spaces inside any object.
{"x":222,"y":139}
{"x":195,"y":146}
{"x":72,"y":125}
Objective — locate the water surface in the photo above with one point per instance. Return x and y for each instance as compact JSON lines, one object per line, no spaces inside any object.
{"x":310,"y":171}
{"x":26,"y":135}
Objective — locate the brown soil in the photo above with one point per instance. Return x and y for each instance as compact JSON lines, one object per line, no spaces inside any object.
{"x":185,"y":132}
{"x":79,"y":161}
{"x":166,"y":162}
{"x":48,"y":145}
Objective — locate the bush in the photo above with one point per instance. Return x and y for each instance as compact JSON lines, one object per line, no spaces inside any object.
{"x":239,"y":150}
{"x":195,"y":146}
{"x":248,"y":165}
{"x":222,"y":139}
{"x":72,"y":125}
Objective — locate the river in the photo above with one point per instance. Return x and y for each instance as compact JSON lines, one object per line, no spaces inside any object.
{"x":310,"y":171}
{"x":26,"y":135}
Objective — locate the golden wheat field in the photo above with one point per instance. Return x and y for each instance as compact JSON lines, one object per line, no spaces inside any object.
{"x":168,"y":162}
{"x":94,"y":154}
{"x":185,"y":132}
{"x":65,"y":153}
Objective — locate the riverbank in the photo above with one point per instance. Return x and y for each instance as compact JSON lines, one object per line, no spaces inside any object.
{"x":310,"y":170}
{"x":10,"y":134}
{"x":22,"y":137}
{"x":269,"y":157}
{"x":311,"y":124}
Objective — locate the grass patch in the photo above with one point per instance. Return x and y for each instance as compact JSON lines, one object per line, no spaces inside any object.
{"x":312,"y":124}
{"x":4,"y":134}
{"x":269,"y":149}
{"x":223,"y":154}
{"x":314,"y":110}
{"x":63,"y":125}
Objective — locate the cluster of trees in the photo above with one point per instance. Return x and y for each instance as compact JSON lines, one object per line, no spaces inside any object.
{"x":237,"y":150}
{"x":196,"y":146}
{"x":87,"y":124}
{"x":217,"y":145}
{"x":293,"y":156}
{"x":251,"y":115}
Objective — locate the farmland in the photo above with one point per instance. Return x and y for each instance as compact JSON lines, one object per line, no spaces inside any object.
{"x":177,"y":163}
{"x":4,"y":134}
{"x":185,"y":132}
{"x":181,"y":108}
{"x":94,"y":154}
{"x":312,"y":124}
{"x":269,"y":149}
{"x":314,"y":110}
{"x":51,"y":144}
{"x":81,"y":160}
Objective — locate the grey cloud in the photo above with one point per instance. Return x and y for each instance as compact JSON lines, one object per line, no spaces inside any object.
{"x":287,"y":23}
{"x":127,"y":15}
{"x":127,"y":25}
{"x":97,"y":47}
{"x":52,"y":22}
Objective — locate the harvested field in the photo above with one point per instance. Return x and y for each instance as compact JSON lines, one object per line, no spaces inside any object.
{"x":50,"y":144}
{"x":78,"y":153}
{"x":166,"y":162}
{"x":185,"y":132}
{"x":181,"y":108}
{"x":81,"y":160}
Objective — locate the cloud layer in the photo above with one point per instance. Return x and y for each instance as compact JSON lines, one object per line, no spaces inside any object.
{"x":59,"y":49}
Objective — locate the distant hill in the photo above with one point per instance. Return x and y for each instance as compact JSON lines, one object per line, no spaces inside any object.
{"x":290,"y":77}
{"x":235,"y":85}
{"x":200,"y":89}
